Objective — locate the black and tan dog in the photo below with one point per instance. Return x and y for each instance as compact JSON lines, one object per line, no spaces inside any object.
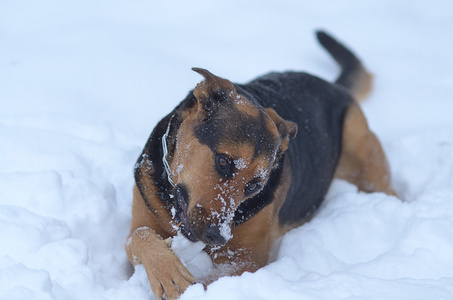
{"x":237,"y":165}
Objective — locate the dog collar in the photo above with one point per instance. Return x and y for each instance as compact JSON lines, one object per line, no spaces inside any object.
{"x":165,"y":152}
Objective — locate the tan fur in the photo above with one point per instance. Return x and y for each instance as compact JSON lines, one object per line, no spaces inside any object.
{"x":362,"y":85}
{"x":286,"y":128}
{"x":249,"y":248}
{"x":246,"y":107}
{"x":363,"y":161}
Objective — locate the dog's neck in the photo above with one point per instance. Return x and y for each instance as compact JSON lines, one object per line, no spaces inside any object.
{"x":165,"y":152}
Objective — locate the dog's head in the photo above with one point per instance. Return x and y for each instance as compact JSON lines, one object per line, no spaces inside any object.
{"x":226,"y":148}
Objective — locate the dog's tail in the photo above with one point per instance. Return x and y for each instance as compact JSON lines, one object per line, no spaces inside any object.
{"x":353,"y":75}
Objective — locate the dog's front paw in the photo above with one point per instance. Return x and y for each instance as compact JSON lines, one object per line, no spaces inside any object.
{"x":168,"y":277}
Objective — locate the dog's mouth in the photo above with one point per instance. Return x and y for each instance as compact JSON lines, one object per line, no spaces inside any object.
{"x":181,"y":213}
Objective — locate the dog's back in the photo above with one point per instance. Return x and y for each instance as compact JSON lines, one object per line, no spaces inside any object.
{"x":318,"y":108}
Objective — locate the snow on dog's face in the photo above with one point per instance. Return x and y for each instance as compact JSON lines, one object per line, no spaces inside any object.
{"x":226,"y":148}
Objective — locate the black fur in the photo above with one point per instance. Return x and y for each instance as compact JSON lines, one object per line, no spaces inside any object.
{"x":236,"y":127}
{"x":318,"y":108}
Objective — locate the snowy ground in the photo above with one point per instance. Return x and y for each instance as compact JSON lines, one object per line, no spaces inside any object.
{"x":82,"y":84}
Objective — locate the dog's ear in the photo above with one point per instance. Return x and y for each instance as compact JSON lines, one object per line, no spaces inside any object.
{"x":209,"y":91}
{"x":287,"y":129}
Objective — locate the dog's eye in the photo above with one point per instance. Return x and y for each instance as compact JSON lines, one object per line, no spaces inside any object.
{"x":252,"y":187}
{"x":223,"y":162}
{"x":224,"y":166}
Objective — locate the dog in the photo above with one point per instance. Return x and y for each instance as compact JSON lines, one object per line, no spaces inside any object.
{"x":238,"y":165}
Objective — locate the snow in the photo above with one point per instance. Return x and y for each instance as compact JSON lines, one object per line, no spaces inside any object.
{"x":83,"y":83}
{"x":197,"y":261}
{"x":240,"y":164}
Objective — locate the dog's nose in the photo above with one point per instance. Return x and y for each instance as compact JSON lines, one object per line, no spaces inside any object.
{"x":213,"y":236}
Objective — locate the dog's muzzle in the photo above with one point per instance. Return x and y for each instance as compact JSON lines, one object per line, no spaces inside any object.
{"x":197,"y":229}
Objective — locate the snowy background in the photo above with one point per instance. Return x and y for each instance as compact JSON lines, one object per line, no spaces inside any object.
{"x":82,"y":84}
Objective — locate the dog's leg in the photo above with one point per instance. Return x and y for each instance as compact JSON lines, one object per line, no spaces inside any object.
{"x":363,"y":161}
{"x":166,"y":274}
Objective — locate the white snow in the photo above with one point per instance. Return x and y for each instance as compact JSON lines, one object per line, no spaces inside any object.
{"x":83,"y":83}
{"x":197,"y":261}
{"x":240,"y":163}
